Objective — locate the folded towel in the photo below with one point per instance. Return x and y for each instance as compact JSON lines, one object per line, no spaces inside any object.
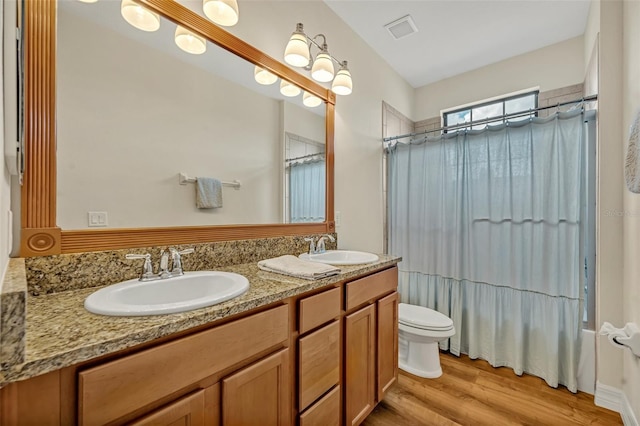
{"x":632,"y":163}
{"x":295,"y":267}
{"x":208,"y":193}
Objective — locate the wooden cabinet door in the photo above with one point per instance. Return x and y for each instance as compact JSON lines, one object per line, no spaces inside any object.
{"x":197,"y":409}
{"x":259,"y":394}
{"x":387,"y":313}
{"x":360,"y":369}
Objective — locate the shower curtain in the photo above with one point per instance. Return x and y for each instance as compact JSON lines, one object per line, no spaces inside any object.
{"x":307,"y":191}
{"x":488,"y":224}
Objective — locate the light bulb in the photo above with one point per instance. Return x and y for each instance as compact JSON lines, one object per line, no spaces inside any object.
{"x":221,"y":12}
{"x":138,"y":16}
{"x":263,"y":76}
{"x":310,"y":100}
{"x":297,"y":51}
{"x":322,"y":69}
{"x":342,"y":84}
{"x":289,"y":89}
{"x":190,"y":42}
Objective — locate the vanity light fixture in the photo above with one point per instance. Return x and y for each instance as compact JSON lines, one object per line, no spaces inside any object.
{"x":289,"y":89}
{"x":297,"y":51}
{"x":189,"y":41}
{"x":221,"y":12}
{"x":138,"y":16}
{"x":342,"y":84}
{"x":298,"y":54}
{"x":263,"y":76}
{"x":310,"y":100}
{"x":88,"y":1}
{"x":322,"y":69}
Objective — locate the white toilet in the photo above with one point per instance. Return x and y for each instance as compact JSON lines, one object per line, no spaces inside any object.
{"x":420,"y":329}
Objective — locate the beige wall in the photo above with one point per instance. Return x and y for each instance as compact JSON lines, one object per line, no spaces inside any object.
{"x":358,"y":163}
{"x":591,"y":30}
{"x":5,"y":180}
{"x":631,"y":286}
{"x":299,"y":121}
{"x":609,"y":234}
{"x":549,"y":68}
{"x":123,"y":137}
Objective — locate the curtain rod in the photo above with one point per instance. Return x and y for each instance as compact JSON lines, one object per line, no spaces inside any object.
{"x":591,"y":98}
{"x":305,"y":156}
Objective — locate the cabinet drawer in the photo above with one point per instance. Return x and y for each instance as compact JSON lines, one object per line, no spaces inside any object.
{"x":319,"y":363}
{"x":370,"y":288}
{"x":188,"y":411}
{"x":319,"y":309}
{"x":325,"y":412}
{"x":115,"y":389}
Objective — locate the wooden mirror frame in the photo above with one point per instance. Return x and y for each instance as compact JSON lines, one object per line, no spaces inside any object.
{"x":40,"y":235}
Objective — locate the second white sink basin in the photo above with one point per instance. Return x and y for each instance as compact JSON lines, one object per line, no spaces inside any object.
{"x":341,"y":257}
{"x":190,"y":291}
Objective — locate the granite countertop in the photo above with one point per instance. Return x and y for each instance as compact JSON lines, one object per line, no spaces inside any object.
{"x":60,"y":332}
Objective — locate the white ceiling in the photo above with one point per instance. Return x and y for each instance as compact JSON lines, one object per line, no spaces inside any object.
{"x":455,"y":36}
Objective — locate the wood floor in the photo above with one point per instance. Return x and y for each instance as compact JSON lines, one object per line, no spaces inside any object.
{"x":471,"y":392}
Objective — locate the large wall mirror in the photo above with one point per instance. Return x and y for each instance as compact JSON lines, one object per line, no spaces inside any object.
{"x":138,"y":120}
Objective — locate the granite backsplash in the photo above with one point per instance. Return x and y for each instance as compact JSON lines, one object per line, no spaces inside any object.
{"x":54,"y":274}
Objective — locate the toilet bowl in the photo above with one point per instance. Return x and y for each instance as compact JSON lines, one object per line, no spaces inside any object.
{"x":419,"y":331}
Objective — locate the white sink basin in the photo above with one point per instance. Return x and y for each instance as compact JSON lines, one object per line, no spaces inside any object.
{"x":190,"y":291}
{"x":341,"y":257}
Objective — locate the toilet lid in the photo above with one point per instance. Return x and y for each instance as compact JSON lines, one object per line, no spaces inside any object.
{"x":421,"y":317}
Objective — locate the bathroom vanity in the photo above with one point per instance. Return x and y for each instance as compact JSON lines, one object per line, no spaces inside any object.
{"x":289,"y":351}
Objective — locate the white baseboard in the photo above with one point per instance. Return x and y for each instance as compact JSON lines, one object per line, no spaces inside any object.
{"x":616,"y":400}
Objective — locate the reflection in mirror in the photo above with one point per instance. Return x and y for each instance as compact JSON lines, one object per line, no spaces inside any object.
{"x":305,"y":177}
{"x":135,"y":110}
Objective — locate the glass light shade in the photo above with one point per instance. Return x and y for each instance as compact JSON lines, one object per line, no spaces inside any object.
{"x":342,"y":84}
{"x":297,"y":51}
{"x":322,"y":69}
{"x":221,"y":12}
{"x":190,"y":42}
{"x":141,"y":18}
{"x":289,"y":89}
{"x":88,"y":1}
{"x":263,"y":76}
{"x":310,"y":100}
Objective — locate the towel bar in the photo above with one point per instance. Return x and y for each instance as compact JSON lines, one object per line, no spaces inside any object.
{"x":184,"y":179}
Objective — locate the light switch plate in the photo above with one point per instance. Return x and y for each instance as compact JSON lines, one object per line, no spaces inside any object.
{"x":97,"y":219}
{"x":338,"y":219}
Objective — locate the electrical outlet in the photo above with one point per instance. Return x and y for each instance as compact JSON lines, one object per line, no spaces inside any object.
{"x":97,"y":219}
{"x":338,"y":219}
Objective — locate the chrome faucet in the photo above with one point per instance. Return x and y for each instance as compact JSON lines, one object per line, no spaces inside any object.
{"x":319,"y":247}
{"x":147,"y":273}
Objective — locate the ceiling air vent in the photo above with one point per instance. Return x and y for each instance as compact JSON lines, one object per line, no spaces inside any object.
{"x":401,"y":27}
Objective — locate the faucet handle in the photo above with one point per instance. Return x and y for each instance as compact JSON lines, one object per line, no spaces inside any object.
{"x":312,"y":245}
{"x":330,"y":237}
{"x":176,"y":267}
{"x":147,"y":267}
{"x":320,"y":248}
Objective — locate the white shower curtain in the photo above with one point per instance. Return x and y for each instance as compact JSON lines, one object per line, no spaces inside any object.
{"x":488,"y":224}
{"x":307,"y":191}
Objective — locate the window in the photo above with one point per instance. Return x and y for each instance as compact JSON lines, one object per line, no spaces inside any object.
{"x":487,"y":110}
